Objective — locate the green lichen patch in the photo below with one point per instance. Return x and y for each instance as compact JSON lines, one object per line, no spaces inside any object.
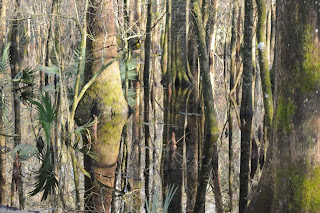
{"x":300,"y":183}
{"x":308,"y":73}
{"x":285,"y":112}
{"x":307,"y":189}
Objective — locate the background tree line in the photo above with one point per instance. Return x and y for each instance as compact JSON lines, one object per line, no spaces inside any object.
{"x":232,"y":80}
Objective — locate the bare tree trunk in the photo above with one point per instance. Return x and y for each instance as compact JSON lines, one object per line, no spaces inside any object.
{"x":3,"y":15}
{"x":233,"y":73}
{"x":17,"y":51}
{"x":246,"y":111}
{"x":3,"y":11}
{"x":211,"y":125}
{"x":146,"y":86}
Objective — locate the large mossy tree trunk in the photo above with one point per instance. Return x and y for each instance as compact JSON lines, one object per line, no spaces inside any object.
{"x":105,"y":99}
{"x":246,"y":110}
{"x":181,"y":75}
{"x":177,"y":71}
{"x":291,"y":179}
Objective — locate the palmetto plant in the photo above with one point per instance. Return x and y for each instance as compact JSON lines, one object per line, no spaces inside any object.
{"x":45,"y":177}
{"x":155,"y":208}
{"x":4,"y":61}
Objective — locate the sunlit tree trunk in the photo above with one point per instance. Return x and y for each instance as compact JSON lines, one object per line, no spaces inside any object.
{"x":3,"y":11}
{"x":233,"y":72}
{"x":264,"y":65}
{"x":291,"y":178}
{"x":134,"y":166}
{"x":3,"y":14}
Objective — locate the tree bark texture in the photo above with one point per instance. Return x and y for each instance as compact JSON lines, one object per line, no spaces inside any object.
{"x":264,"y":65}
{"x":292,"y":177}
{"x":104,"y":98}
{"x":246,"y":110}
{"x":211,"y":125}
{"x":3,"y":10}
{"x":17,"y":52}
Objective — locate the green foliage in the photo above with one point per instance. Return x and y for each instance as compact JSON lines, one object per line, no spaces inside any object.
{"x":89,"y":153}
{"x":24,"y":81}
{"x":131,"y":97}
{"x":4,"y":65}
{"x":155,"y":208}
{"x":79,"y":131}
{"x":53,"y":70}
{"x":46,"y":111}
{"x":45,"y":176}
{"x":24,"y":151}
{"x":26,"y":76}
{"x":5,"y":57}
{"x":130,"y":67}
{"x":51,"y":88}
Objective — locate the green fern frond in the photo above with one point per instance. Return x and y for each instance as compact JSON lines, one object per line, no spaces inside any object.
{"x":53,"y":70}
{"x":164,"y":208}
{"x":25,"y":151}
{"x":5,"y":57}
{"x":45,"y":179}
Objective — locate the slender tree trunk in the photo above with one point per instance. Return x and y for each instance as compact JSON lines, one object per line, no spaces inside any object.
{"x":211,"y":125}
{"x":17,"y":52}
{"x":264,"y":65}
{"x":233,"y":73}
{"x":3,"y":15}
{"x":246,"y":111}
{"x":3,"y":11}
{"x":3,"y":170}
{"x":146,"y":86}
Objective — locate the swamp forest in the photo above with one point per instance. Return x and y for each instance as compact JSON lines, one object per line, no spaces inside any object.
{"x":160,"y":106}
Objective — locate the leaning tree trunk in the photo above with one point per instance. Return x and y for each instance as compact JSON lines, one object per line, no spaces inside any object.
{"x":295,"y":136}
{"x":211,"y":124}
{"x":104,"y":98}
{"x":264,"y":65}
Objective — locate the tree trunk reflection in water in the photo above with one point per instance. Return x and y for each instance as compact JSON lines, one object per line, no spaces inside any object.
{"x":183,"y":121}
{"x":104,"y":170}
